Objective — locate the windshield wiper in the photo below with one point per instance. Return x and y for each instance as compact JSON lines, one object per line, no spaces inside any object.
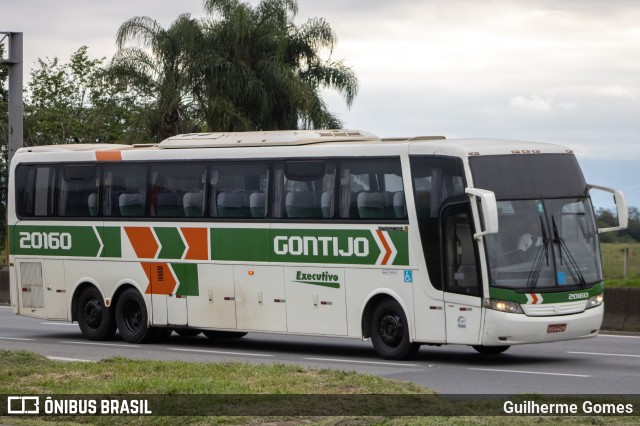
{"x":574,"y":269}
{"x":541,"y":254}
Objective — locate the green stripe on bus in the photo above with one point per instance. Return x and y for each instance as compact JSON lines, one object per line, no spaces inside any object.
{"x":314,"y":246}
{"x":112,"y":241}
{"x":547,"y":297}
{"x":38,"y":240}
{"x":187,"y":275}
{"x":172,"y":246}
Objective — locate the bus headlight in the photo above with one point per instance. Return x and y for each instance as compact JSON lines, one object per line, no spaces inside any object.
{"x":503,"y":306}
{"x":595,"y":301}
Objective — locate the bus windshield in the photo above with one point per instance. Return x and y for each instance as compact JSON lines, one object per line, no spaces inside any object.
{"x":547,"y":238}
{"x":544,"y":245}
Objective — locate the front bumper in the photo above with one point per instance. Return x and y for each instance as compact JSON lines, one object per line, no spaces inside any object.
{"x":501,"y":328}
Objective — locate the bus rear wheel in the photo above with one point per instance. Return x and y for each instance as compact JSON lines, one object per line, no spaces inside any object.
{"x":96,"y":321}
{"x":132,"y":318}
{"x":490,"y":350}
{"x":390,"y":332}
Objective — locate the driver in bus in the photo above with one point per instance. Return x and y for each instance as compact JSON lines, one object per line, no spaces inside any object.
{"x":530,"y":238}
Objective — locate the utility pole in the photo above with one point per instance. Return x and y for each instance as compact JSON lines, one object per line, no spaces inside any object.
{"x":16,"y":108}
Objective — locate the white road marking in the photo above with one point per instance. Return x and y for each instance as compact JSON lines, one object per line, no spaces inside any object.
{"x":603,"y":354}
{"x":219,"y":352}
{"x":60,"y":358}
{"x":101,"y":344}
{"x":5,"y":307}
{"x":529,"y":372}
{"x":390,"y":364}
{"x":16,"y":338}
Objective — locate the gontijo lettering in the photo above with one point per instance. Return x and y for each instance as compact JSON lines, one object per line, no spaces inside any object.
{"x":321,"y":246}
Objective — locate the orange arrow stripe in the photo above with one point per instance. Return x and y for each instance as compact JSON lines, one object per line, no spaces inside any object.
{"x":385,"y":244}
{"x":198,"y":241}
{"x":143,"y":241}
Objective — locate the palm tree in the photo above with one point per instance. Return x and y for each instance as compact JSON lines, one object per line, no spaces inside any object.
{"x":269,"y":69}
{"x":151,"y":59}
{"x":241,"y":68}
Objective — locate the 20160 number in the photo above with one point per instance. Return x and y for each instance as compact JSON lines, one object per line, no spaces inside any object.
{"x":45,"y":240}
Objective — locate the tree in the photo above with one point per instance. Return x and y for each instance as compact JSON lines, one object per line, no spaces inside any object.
{"x":242,"y":68}
{"x":606,"y":218}
{"x":158,"y":71}
{"x":264,"y":72}
{"x":75,"y":102}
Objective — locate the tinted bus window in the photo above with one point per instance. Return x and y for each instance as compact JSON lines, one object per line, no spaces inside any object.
{"x":304,"y":189}
{"x":238,"y":190}
{"x":35,"y":189}
{"x":78,"y":191}
{"x":372,"y":189}
{"x":177,"y":190}
{"x":435,"y":179}
{"x":124,"y":191}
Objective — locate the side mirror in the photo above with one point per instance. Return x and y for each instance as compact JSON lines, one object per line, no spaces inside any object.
{"x":621,"y":208}
{"x":489,"y":210}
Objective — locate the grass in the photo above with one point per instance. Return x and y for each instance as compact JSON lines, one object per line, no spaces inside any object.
{"x":27,"y":374}
{"x":613,"y":264}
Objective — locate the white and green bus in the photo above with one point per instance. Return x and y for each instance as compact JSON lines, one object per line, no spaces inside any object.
{"x":405,"y":241}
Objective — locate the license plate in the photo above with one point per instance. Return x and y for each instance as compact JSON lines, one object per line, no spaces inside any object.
{"x":556,"y":328}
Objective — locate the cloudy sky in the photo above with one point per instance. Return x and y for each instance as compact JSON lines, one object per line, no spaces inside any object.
{"x":562,"y":71}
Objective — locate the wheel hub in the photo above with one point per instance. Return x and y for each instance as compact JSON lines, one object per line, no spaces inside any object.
{"x":391,"y":330}
{"x":93,"y":313}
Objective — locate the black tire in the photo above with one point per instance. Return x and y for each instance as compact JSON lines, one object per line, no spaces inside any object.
{"x":219,"y":335}
{"x":490,"y":350}
{"x":390,"y":332}
{"x":187,"y":332}
{"x":96,"y":321}
{"x":132,"y":318}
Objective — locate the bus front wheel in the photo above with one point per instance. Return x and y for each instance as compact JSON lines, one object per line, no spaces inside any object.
{"x":94,"y":318}
{"x":132,"y":318}
{"x":390,"y":332}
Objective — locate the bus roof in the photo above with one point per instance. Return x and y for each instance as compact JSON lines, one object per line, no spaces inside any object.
{"x":340,"y":139}
{"x":272,"y":138}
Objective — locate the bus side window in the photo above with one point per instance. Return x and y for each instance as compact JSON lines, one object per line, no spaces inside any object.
{"x":372,"y":190}
{"x":304,"y":189}
{"x":35,"y":190}
{"x":238,"y":190}
{"x":124,"y":190}
{"x":25,"y":190}
{"x":434,"y":180}
{"x":78,"y":186}
{"x":177,"y":189}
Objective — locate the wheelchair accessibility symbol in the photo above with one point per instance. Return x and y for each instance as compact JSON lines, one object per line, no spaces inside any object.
{"x":408,"y":276}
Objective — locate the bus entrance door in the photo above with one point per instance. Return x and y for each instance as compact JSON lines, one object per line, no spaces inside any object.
{"x":461,"y":278}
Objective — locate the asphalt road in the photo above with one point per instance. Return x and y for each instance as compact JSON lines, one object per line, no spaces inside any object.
{"x":608,"y":364}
